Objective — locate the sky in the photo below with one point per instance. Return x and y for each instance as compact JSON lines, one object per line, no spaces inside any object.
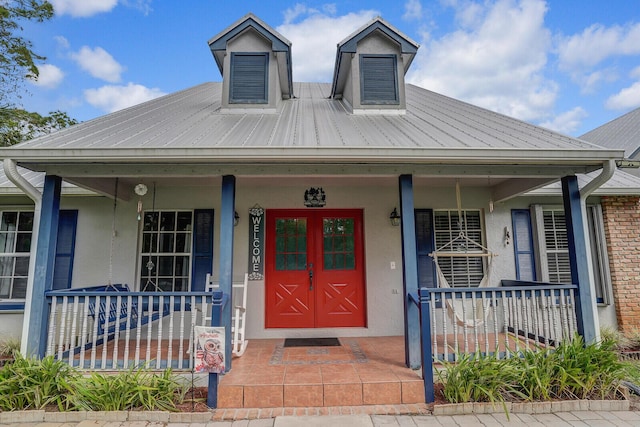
{"x":567,"y":65}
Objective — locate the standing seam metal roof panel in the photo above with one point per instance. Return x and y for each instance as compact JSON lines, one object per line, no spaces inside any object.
{"x":192,"y":119}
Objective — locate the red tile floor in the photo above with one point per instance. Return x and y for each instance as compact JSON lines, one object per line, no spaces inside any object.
{"x":361,"y":371}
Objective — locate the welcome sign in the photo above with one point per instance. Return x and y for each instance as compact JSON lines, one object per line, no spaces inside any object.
{"x":256,"y":243}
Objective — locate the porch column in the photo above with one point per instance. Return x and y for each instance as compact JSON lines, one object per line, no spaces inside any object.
{"x":409,"y":273}
{"x":44,"y":262}
{"x":227,"y":211}
{"x":586,"y":315}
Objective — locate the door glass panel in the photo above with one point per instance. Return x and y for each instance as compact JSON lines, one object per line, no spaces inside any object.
{"x":338,"y":244}
{"x":291,"y":244}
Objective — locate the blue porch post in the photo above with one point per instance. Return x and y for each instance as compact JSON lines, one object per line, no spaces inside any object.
{"x":227,"y":209}
{"x":579,"y":259}
{"x":44,"y":262}
{"x":409,"y":273}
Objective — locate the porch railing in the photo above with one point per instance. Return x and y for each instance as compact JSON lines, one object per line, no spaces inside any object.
{"x":493,"y":321}
{"x":117,"y":329}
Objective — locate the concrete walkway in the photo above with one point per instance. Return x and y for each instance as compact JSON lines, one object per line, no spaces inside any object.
{"x":576,"y":418}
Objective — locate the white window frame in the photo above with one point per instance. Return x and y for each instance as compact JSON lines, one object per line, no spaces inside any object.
{"x":153,"y":282}
{"x":13,"y":255}
{"x":461,"y":271}
{"x":597,"y":245}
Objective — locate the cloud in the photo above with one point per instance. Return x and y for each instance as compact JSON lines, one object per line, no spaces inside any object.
{"x":112,"y":98}
{"x":99,"y":63}
{"x":315,"y":38}
{"x":483,"y":61}
{"x":82,"y":8}
{"x":625,"y":99}
{"x":412,"y":10}
{"x":143,"y":6}
{"x":597,"y":43}
{"x":567,"y":122}
{"x":50,"y":76}
{"x":62,"y":42}
{"x":86,"y":8}
{"x":590,"y":82}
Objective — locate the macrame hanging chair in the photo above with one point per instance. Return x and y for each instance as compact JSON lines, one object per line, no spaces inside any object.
{"x":468,"y":313}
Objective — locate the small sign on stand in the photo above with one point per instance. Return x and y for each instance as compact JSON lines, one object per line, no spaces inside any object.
{"x":209,"y":350}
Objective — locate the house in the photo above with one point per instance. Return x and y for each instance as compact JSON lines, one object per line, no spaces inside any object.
{"x":340,"y":191}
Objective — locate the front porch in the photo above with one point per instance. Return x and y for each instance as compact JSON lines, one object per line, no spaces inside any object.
{"x":117,"y":329}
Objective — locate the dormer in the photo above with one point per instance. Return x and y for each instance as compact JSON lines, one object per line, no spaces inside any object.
{"x":255,"y":63}
{"x":370,"y":67}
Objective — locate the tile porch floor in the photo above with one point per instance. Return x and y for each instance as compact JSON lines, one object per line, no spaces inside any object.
{"x":361,"y":371}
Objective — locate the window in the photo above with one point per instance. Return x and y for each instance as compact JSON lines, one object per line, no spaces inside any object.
{"x":15,"y":246}
{"x":460,"y":271}
{"x":378,"y":79}
{"x":553,"y":248}
{"x":291,"y":244}
{"x":249,"y":73}
{"x":166,"y":251}
{"x":338,"y":237}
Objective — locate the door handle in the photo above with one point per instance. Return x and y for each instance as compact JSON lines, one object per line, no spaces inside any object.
{"x":310,"y":277}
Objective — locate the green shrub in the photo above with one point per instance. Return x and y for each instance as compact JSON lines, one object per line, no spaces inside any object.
{"x":136,"y":388}
{"x":9,"y":346}
{"x":475,"y":378}
{"x":572,"y":370}
{"x":35,"y":384}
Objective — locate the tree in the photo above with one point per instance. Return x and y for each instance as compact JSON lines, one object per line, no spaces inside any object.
{"x":17,"y":58}
{"x":18,"y":125}
{"x":18,"y":62}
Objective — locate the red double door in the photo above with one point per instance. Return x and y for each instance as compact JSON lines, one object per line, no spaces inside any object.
{"x":314,"y":269}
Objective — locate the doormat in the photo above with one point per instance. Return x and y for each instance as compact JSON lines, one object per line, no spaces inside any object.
{"x":311,"y":342}
{"x":348,"y":352}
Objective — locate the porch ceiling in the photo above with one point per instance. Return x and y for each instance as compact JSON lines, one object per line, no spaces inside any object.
{"x":503,"y":185}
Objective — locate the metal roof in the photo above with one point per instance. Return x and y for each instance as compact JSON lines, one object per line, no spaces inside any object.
{"x":188,"y":126}
{"x":620,"y":184}
{"x":37,"y":180}
{"x":623,"y":133}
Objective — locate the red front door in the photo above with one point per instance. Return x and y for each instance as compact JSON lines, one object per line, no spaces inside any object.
{"x":314,"y":269}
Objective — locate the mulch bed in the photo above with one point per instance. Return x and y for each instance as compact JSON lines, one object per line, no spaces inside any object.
{"x":194,"y":401}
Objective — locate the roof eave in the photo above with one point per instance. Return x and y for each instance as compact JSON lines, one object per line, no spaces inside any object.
{"x":315,"y":155}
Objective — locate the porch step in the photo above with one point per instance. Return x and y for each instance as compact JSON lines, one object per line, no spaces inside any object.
{"x":320,"y":395}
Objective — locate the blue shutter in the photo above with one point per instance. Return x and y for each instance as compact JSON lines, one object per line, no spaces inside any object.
{"x":249,"y":78}
{"x":424,"y":246}
{"x":523,"y":245}
{"x":378,"y":79}
{"x":202,"y":248}
{"x":65,"y":249}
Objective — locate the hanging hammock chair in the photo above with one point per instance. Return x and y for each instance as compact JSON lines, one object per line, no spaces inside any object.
{"x":468,"y":313}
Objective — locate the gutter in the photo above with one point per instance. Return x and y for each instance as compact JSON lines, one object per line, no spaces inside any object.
{"x":11,"y":171}
{"x":608,"y":168}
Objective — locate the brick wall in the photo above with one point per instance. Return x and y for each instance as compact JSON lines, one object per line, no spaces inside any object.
{"x":622,"y":229}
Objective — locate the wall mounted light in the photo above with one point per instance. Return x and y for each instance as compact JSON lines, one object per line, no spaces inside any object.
{"x":507,"y":237}
{"x":236,"y":218}
{"x":394,"y":217}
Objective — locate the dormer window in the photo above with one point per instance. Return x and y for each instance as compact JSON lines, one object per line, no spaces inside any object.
{"x":249,"y":77}
{"x":378,"y":79}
